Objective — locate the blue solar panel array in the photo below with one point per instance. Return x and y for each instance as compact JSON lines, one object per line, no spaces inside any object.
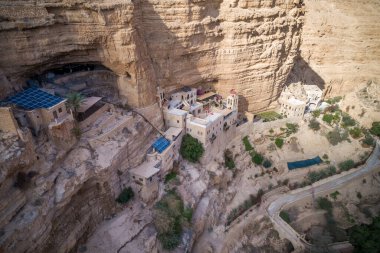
{"x":161,"y":144}
{"x":34,"y":98}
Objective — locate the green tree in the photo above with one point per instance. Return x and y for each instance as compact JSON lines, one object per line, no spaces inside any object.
{"x":365,"y":238}
{"x":191,"y":149}
{"x":375,"y":129}
{"x":74,"y":101}
{"x":125,"y":195}
{"x":257,"y":158}
{"x":279,"y":142}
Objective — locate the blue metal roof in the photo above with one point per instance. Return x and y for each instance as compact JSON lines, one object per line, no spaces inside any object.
{"x":161,"y":144}
{"x":34,"y":98}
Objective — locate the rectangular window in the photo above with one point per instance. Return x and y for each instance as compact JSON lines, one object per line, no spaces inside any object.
{"x":60,"y":110}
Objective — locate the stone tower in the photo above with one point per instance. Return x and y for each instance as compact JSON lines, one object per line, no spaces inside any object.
{"x":232,"y":100}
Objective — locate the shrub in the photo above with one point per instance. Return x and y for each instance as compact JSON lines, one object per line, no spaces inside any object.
{"x":365,"y":238}
{"x":191,"y":149}
{"x":359,"y":195}
{"x":271,"y":131}
{"x":314,"y":124}
{"x":125,"y":195}
{"x":285,"y":216}
{"x":375,"y":129}
{"x":170,"y":216}
{"x":368,"y":140}
{"x":325,"y":156}
{"x":334,"y":195}
{"x":346,"y":165}
{"x":292,"y":128}
{"x":257,"y":158}
{"x":248,"y":203}
{"x":279,"y":142}
{"x":77,"y":132}
{"x":247,"y":144}
{"x":347,"y":121}
{"x":316,"y":113}
{"x":267,"y":163}
{"x":332,"y":108}
{"x":328,"y":118}
{"x":228,"y":159}
{"x":356,"y":132}
{"x":336,"y":118}
{"x":269,"y":116}
{"x":170,"y":176}
{"x":334,"y":100}
{"x":324,"y":203}
{"x":335,"y":136}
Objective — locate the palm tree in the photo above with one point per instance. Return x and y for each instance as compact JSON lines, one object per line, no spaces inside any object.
{"x":74,"y":100}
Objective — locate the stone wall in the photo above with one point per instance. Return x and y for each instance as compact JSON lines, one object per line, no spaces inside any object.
{"x":7,"y":122}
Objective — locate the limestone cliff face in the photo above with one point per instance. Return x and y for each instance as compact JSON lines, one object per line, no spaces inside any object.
{"x":52,"y":198}
{"x":340,"y":46}
{"x":228,"y":44}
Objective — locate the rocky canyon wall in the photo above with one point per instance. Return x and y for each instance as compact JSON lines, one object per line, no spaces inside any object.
{"x":340,"y":46}
{"x":52,"y":198}
{"x":244,"y":45}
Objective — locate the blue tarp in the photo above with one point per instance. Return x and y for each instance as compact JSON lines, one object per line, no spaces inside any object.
{"x":161,"y":144}
{"x":304,"y":163}
{"x":34,"y":98}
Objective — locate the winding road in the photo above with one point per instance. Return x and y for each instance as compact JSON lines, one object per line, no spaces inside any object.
{"x":330,"y":184}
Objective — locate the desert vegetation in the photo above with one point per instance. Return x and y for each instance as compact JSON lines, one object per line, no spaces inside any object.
{"x":191,"y":148}
{"x":170,"y":218}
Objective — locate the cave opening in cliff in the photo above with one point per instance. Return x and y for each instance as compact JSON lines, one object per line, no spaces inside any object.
{"x":88,"y":79}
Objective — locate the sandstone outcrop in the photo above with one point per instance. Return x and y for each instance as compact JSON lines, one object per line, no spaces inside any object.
{"x":244,"y":45}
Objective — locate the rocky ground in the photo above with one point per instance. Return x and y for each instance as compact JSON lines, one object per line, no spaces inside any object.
{"x":354,"y":203}
{"x":213,"y":192}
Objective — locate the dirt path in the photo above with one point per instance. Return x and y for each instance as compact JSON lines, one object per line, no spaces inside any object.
{"x":275,"y":207}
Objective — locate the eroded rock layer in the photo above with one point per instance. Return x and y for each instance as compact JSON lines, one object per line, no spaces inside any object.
{"x":340,"y":45}
{"x":229,"y":44}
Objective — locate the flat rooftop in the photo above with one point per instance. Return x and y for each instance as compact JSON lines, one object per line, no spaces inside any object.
{"x":208,"y":118}
{"x":177,"y":112}
{"x":173,"y":132}
{"x":206,"y":96}
{"x":225,"y":112}
{"x":34,"y":98}
{"x":312,"y":87}
{"x":295,"y":101}
{"x":146,"y":169}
